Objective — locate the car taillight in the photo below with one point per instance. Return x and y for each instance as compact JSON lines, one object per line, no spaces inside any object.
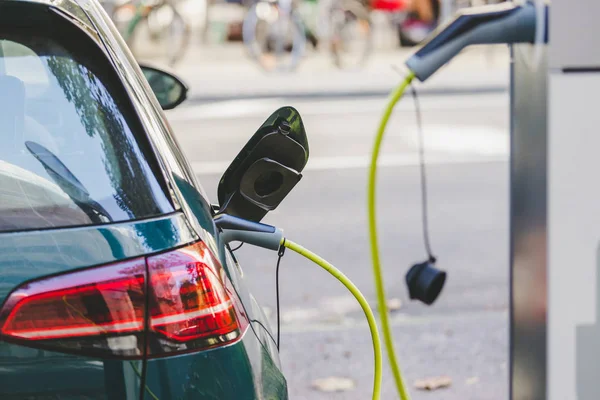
{"x":192,"y":304}
{"x":99,"y":310}
{"x":102,"y":311}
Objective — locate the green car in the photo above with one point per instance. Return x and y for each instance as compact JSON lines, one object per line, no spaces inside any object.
{"x":114,"y":283}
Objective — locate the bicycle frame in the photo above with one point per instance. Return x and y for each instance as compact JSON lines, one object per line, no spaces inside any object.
{"x":141,"y":9}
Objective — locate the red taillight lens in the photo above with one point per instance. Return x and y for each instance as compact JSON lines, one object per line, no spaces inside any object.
{"x":191,"y":302}
{"x":101,"y":311}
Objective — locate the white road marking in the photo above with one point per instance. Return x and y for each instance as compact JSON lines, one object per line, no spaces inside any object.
{"x":341,"y":163}
{"x":444,"y":144}
{"x":326,"y":107}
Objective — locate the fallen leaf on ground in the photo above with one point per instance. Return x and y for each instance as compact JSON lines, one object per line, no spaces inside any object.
{"x":472,"y":380}
{"x":434,"y":383}
{"x":394,"y":304}
{"x":334,"y":384}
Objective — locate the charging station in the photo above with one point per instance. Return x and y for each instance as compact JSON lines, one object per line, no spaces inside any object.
{"x":555,"y":223}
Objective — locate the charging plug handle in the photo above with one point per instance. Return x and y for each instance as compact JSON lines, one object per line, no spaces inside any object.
{"x":235,"y":229}
{"x":504,"y":23}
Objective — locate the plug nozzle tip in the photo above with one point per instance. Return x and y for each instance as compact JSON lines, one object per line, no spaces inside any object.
{"x":425,"y":282}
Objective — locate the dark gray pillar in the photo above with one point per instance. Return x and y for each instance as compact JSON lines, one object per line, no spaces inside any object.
{"x":528,"y":226}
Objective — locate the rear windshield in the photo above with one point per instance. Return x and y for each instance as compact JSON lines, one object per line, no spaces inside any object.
{"x":70,"y":148}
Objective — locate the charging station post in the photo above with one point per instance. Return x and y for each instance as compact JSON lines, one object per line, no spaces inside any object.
{"x":555,"y":221}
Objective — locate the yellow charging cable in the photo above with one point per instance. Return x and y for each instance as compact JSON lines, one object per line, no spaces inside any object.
{"x":381,"y":299}
{"x":378,"y":356}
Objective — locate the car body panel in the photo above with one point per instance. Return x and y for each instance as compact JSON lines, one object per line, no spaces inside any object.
{"x":249,"y":368}
{"x":30,"y":255}
{"x":31,"y":374}
{"x":248,"y":365}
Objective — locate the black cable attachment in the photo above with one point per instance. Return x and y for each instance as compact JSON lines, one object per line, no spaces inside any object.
{"x":280,"y":254}
{"x":424,"y":280}
{"x":238,"y":247}
{"x":281,"y":250}
{"x":424,"y":197}
{"x":264,"y":328}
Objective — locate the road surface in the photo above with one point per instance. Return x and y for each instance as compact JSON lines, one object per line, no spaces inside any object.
{"x":465,"y":334}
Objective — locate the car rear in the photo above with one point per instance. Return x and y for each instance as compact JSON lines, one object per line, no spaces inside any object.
{"x":106,"y":289}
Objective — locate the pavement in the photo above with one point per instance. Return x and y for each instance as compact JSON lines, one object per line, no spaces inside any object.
{"x":234,"y":76}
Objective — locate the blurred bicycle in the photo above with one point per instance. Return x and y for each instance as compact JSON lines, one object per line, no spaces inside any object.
{"x":345,"y":25}
{"x":152,"y":28}
{"x":275,"y":33}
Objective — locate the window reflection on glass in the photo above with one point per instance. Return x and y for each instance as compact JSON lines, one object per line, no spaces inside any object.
{"x":68,"y":148}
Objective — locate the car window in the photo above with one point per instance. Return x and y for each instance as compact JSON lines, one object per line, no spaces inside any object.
{"x":72,"y":151}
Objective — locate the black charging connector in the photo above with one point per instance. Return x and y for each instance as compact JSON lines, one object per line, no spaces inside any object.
{"x":425,"y":282}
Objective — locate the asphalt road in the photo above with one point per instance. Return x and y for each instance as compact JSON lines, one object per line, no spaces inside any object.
{"x":465,"y":334}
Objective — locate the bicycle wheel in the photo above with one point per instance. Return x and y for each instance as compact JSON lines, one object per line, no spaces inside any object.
{"x":169,"y":30}
{"x":126,"y":16}
{"x":156,"y":32}
{"x":351,"y":39}
{"x":274,"y":38}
